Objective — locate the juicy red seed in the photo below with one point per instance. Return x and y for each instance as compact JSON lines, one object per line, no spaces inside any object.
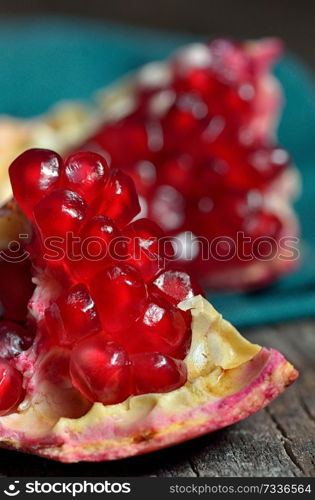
{"x":101,"y":244}
{"x":100,"y":370}
{"x":73,"y":316}
{"x":10,"y":388}
{"x":161,"y":328}
{"x":14,"y":298}
{"x":119,"y":200}
{"x":147,"y":247}
{"x":153,"y":372}
{"x":33,"y":175}
{"x":85,"y":173}
{"x":176,"y":285}
{"x":61,"y":212}
{"x":120,"y":295}
{"x":14,"y":339}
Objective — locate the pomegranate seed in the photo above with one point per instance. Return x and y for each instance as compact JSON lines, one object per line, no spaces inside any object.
{"x":10,"y":388}
{"x":101,"y":244}
{"x":147,"y":247}
{"x":73,"y":316}
{"x":119,"y":200}
{"x":162,"y":327}
{"x":61,"y":212}
{"x":176,"y":285}
{"x":85,"y":173}
{"x":33,"y":175}
{"x":120,"y":296}
{"x":100,"y":370}
{"x":14,"y":339}
{"x":154,"y":372}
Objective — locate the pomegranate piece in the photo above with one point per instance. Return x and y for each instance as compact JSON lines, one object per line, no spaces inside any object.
{"x":73,"y":316}
{"x":59,"y":213}
{"x":201,"y":131}
{"x":100,"y":246}
{"x":33,"y":175}
{"x":100,"y":369}
{"x":154,"y":372}
{"x":147,"y":247}
{"x":14,"y":339}
{"x":120,"y":296}
{"x":176,"y":285}
{"x":86,"y":174}
{"x":10,"y":387}
{"x":119,"y":200}
{"x":113,"y":335}
{"x":162,"y":327}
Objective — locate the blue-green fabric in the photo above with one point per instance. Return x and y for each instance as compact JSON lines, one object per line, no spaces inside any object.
{"x":45,"y":60}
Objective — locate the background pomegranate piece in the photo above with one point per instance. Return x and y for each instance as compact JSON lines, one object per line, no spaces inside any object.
{"x":154,"y":372}
{"x":119,"y":200}
{"x":33,"y":175}
{"x":59,"y":213}
{"x":100,"y":370}
{"x":120,"y":295}
{"x":73,"y":316}
{"x":85,"y":173}
{"x":10,"y":387}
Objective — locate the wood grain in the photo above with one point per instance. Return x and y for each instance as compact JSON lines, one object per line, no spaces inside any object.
{"x":278,"y":441}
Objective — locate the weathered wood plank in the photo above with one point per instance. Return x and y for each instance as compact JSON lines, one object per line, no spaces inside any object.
{"x":278,"y":441}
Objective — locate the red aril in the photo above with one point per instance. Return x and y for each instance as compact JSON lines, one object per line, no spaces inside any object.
{"x":101,"y":244}
{"x":10,"y":387}
{"x":86,"y":174}
{"x":59,"y":213}
{"x":153,"y":372}
{"x":73,"y":316}
{"x":100,"y":369}
{"x":147,"y":247}
{"x":175,"y":285}
{"x":162,"y":327}
{"x":119,"y":200}
{"x":120,"y":296}
{"x":33,"y":175}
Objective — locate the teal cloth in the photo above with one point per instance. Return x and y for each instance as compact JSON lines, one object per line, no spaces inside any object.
{"x":45,"y":60}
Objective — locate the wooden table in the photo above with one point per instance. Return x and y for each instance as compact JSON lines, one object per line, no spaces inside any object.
{"x":277,"y":441}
